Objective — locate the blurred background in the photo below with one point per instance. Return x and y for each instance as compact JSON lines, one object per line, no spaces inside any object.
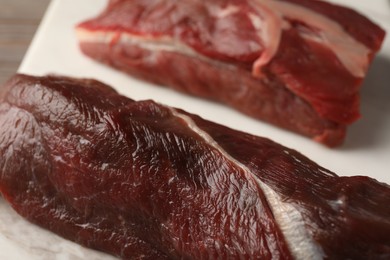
{"x":19,"y":20}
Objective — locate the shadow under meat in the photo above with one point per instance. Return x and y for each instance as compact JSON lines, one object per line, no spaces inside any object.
{"x":375,"y":108}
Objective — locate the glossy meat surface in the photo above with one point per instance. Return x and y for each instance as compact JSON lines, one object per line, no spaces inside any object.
{"x":141,"y":180}
{"x":266,"y":58}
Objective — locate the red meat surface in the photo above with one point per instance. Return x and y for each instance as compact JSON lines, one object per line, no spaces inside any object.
{"x":141,"y":180}
{"x":297,"y":64}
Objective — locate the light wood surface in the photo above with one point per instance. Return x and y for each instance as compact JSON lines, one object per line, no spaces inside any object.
{"x":19,"y":20}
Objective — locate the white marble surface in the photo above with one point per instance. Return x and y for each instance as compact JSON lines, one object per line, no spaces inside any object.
{"x":55,"y":50}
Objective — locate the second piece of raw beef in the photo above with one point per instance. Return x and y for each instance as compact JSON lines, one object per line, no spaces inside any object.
{"x":297,"y":64}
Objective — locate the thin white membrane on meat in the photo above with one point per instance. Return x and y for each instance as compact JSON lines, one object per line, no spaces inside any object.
{"x":287,"y":214}
{"x":162,"y":43}
{"x":350,"y":52}
{"x":153,"y":44}
{"x":269,"y":18}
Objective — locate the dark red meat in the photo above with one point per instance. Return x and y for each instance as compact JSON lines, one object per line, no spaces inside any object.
{"x":295,"y":63}
{"x":142,"y":180}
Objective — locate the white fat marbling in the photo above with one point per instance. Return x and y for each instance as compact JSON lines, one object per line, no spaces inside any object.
{"x":288,"y":215}
{"x":350,"y":52}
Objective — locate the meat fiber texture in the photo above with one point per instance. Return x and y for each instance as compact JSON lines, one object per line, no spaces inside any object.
{"x":297,"y":64}
{"x":141,"y":180}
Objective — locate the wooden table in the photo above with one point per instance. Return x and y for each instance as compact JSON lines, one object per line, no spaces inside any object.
{"x":19,"y":20}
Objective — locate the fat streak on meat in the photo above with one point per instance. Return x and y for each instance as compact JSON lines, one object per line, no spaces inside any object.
{"x":295,"y":63}
{"x":141,"y":180}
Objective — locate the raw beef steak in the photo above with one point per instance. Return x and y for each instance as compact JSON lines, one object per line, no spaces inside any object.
{"x":295,"y":63}
{"x":141,"y":180}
